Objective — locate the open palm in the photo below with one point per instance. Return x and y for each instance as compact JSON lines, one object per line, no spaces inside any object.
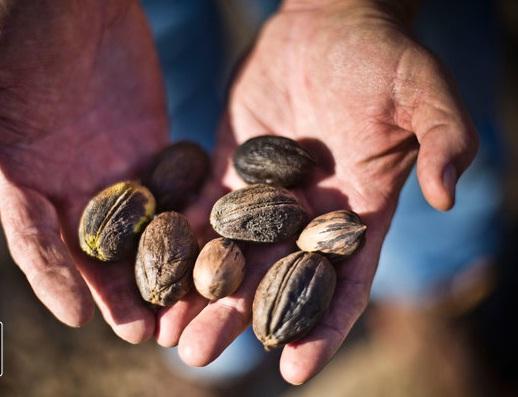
{"x":81,"y":106}
{"x":346,"y":82}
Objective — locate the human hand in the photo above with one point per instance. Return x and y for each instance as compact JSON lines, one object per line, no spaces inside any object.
{"x":81,"y":106}
{"x":346,"y":75}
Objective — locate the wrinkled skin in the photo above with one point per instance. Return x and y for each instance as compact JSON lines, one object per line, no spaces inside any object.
{"x":345,"y":74}
{"x":81,"y":106}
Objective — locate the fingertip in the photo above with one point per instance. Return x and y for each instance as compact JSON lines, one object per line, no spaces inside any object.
{"x":116,"y":295}
{"x":65,"y":294}
{"x":449,"y":180}
{"x":166,"y":337}
{"x":191,"y":355}
{"x":78,"y":317}
{"x":211,"y":332}
{"x":165,"y":334}
{"x":440,"y":201}
{"x":302,"y":360}
{"x":137,"y":331}
{"x":291,"y":372}
{"x":166,"y":340}
{"x":171,"y":321}
{"x":439,"y":192}
{"x":166,"y":343}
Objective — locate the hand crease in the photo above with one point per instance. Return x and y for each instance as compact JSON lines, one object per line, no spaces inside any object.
{"x":242,"y":316}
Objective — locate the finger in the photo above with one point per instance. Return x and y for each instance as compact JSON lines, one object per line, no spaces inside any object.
{"x":427,"y":104}
{"x":301,"y":360}
{"x":305,"y":358}
{"x":32,"y":231}
{"x":113,"y":288}
{"x":223,"y":176}
{"x":171,"y":321}
{"x":443,"y":156}
{"x":218,"y":324}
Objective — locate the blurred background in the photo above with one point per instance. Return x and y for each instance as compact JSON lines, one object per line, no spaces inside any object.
{"x":464,"y":344}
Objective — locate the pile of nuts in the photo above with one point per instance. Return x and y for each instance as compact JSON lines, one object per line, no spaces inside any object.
{"x":295,"y":292}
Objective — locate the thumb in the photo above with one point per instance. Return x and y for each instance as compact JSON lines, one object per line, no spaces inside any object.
{"x":445,"y":152}
{"x":447,"y":138}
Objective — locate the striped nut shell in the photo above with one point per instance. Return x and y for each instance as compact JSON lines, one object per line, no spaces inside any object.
{"x":292,"y":297}
{"x":337,"y":233}
{"x":166,"y":254}
{"x":113,"y":219}
{"x":260,"y":213}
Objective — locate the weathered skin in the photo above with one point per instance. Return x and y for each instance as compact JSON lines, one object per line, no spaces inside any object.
{"x":274,"y":160}
{"x":292,"y":297}
{"x":260,"y":213}
{"x":113,"y":219}
{"x":165,"y":258}
{"x":219,"y":269}
{"x":337,"y":233}
{"x":178,"y":175}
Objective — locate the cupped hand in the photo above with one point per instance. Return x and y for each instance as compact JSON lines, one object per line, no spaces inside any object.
{"x":81,"y":106}
{"x":344,"y":79}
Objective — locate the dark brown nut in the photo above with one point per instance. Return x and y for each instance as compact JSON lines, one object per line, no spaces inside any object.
{"x":273,"y":160}
{"x":113,"y":219}
{"x":165,"y":259}
{"x":337,"y":233}
{"x":219,"y":269}
{"x":260,"y":213}
{"x":292,"y":297}
{"x":178,"y":175}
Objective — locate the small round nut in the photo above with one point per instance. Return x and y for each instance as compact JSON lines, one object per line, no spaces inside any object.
{"x":113,"y":219}
{"x":337,"y":233}
{"x":274,"y":160}
{"x":219,"y":269}
{"x":178,"y":175}
{"x":165,"y":258}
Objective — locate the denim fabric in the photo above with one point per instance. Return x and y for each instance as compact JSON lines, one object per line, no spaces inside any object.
{"x":189,"y":41}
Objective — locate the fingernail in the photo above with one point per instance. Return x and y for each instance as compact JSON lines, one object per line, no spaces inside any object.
{"x":449,"y":179}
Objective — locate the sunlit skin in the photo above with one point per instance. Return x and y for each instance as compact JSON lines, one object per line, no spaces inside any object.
{"x":81,"y":106}
{"x":345,"y":75}
{"x":87,"y":109}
